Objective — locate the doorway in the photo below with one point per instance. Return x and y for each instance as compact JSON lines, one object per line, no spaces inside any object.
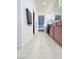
{"x":41,"y":21}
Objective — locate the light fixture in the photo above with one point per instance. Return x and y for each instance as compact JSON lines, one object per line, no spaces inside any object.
{"x":44,"y":3}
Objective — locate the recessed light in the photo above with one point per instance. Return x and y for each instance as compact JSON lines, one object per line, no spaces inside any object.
{"x":44,"y":3}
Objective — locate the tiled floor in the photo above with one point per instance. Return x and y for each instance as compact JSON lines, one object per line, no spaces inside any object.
{"x":41,"y":47}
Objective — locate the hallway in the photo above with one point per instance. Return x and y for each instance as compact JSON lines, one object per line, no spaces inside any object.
{"x":40,"y":47}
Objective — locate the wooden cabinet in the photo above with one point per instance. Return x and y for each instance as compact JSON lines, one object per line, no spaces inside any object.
{"x":56,"y":31}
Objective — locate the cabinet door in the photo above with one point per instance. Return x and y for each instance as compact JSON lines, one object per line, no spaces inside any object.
{"x":58,"y":33}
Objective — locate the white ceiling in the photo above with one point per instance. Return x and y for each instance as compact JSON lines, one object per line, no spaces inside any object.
{"x":40,"y":8}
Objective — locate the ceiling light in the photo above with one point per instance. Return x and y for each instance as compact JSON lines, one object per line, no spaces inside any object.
{"x":44,"y":3}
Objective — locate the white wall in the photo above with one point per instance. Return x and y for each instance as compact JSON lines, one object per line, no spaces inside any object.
{"x":58,"y":8}
{"x":49,"y":16}
{"x":36,"y":22}
{"x":18,"y":25}
{"x":26,"y":30}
